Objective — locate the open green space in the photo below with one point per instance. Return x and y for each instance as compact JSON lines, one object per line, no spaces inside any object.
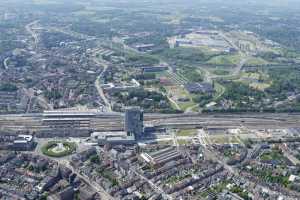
{"x":229,"y":153}
{"x":256,"y":80}
{"x":185,"y":105}
{"x":176,"y":93}
{"x":190,"y":73}
{"x":273,"y":155}
{"x":221,"y":72}
{"x":220,"y":90}
{"x":183,"y":55}
{"x":256,"y":61}
{"x":225,"y":60}
{"x":187,"y":132}
{"x":165,"y":142}
{"x":141,"y":59}
{"x":224,"y":139}
{"x":183,"y":142}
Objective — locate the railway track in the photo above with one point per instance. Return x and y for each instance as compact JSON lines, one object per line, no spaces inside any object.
{"x":115,"y":121}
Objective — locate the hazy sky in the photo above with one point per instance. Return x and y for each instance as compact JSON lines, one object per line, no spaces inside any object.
{"x":294,"y":4}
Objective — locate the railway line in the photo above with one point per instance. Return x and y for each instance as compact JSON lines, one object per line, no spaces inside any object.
{"x":114,"y":121}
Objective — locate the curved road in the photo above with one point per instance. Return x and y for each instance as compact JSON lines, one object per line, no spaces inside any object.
{"x":98,"y":84}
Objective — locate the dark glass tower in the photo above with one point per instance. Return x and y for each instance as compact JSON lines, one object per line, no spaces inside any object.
{"x":134,"y":118}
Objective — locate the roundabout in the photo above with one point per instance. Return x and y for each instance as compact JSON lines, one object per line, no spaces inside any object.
{"x":58,"y":148}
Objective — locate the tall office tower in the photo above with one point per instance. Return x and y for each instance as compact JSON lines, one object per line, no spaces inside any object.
{"x":134,"y":118}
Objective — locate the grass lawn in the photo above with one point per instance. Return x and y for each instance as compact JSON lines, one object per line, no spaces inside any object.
{"x":273,"y":155}
{"x":258,"y":81}
{"x":260,"y":86}
{"x":220,"y":90}
{"x":183,"y":142}
{"x":225,"y":60}
{"x":229,"y":153}
{"x":185,"y":105}
{"x":173,"y":105}
{"x":255,"y":61}
{"x":177,"y":92}
{"x":187,"y":132}
{"x":223,"y":139}
{"x":221,"y":72}
{"x":164,"y":142}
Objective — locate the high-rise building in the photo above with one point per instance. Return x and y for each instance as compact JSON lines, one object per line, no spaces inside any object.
{"x":134,"y":118}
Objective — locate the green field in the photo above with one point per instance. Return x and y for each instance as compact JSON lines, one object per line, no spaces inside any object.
{"x":224,"y":139}
{"x":256,"y":61}
{"x":187,"y":132}
{"x":183,"y":142}
{"x":221,"y":72}
{"x":274,"y":155}
{"x":186,"y":105}
{"x":220,"y":90}
{"x":228,"y":60}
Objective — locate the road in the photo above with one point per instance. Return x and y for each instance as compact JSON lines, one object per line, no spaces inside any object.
{"x":173,"y":102}
{"x":98,"y":84}
{"x":28,"y":28}
{"x":289,"y":154}
{"x":71,"y":33}
{"x":5,"y":63}
{"x":42,"y":101}
{"x":191,"y":108}
{"x":202,"y":137}
{"x":244,"y":56}
{"x":240,"y":66}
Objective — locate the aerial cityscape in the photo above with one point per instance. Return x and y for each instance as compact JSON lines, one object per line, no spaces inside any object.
{"x":149,"y":100}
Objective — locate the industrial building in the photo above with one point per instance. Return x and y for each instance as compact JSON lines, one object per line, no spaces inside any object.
{"x":117,"y":137}
{"x":113,"y":88}
{"x":199,"y":88}
{"x":161,"y":157}
{"x":23,"y":143}
{"x":145,"y":47}
{"x":66,"y":123}
{"x":154,"y":69}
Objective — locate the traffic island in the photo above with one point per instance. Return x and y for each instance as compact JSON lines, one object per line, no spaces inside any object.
{"x":58,"y":149}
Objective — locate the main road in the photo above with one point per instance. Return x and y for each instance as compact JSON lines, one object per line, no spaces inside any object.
{"x":114,"y":121}
{"x":98,"y":83}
